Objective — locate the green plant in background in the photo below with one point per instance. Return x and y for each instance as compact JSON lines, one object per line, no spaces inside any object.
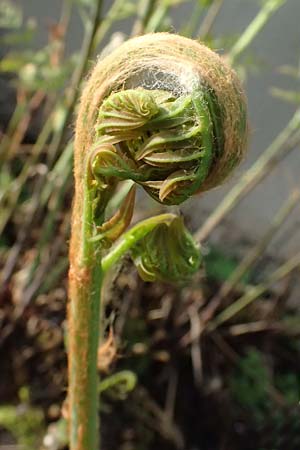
{"x":250,"y":385}
{"x":178,"y":127}
{"x":269,"y":400}
{"x":147,"y":128}
{"x":47,"y":188}
{"x":24,"y":422}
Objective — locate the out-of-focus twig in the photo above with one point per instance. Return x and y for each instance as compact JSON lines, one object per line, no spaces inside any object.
{"x":70,"y":100}
{"x":251,"y":257}
{"x":267,"y":10}
{"x":39,"y":200}
{"x":144,"y":13}
{"x":155,"y":418}
{"x":9,"y":198}
{"x":255,"y":292}
{"x":286,"y":141}
{"x":209,"y":19}
{"x":158,"y":16}
{"x":72,"y":91}
{"x":195,"y":334}
{"x":12,"y":143}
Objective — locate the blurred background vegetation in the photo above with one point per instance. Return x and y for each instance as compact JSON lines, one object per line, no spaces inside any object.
{"x":211,"y":366}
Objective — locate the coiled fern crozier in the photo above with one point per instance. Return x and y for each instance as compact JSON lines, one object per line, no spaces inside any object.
{"x":169,"y":114}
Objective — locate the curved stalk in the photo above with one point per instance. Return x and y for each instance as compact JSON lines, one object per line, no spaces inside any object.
{"x":132,"y":237}
{"x":167,"y":113}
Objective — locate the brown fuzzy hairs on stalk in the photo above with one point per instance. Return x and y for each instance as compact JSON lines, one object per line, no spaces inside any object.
{"x":168,"y":113}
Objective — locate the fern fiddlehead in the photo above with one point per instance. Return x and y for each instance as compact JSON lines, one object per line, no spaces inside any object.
{"x":169,"y":114}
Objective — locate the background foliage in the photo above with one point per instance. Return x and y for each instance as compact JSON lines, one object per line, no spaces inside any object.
{"x":213,"y":365}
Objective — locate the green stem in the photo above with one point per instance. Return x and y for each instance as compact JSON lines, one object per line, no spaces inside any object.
{"x":54,"y":196}
{"x":255,"y":292}
{"x":131,"y":237}
{"x":72,"y":92}
{"x":157,"y":17}
{"x":144,"y":13}
{"x":190,"y":25}
{"x":14,"y":189}
{"x":20,"y":111}
{"x":283,"y":143}
{"x":254,"y":28}
{"x":84,"y":337}
{"x":251,"y":257}
{"x":209,"y":19}
{"x":84,"y":318}
{"x":41,"y":196}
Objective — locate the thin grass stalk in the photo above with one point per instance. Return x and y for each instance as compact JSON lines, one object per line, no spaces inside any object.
{"x":255,"y":292}
{"x":38,"y":201}
{"x":72,"y":91}
{"x":144,"y":13}
{"x":190,"y":26}
{"x":251,"y":257}
{"x":22,"y":108}
{"x":48,"y":231}
{"x":209,"y":19}
{"x":71,"y":97}
{"x":34,"y":103}
{"x":280,"y":147}
{"x":265,"y":13}
{"x":11,"y":195}
{"x":158,"y":16}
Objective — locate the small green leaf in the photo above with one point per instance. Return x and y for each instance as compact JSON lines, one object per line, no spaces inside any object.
{"x":172,"y":182}
{"x":112,"y":229}
{"x":126,"y":110}
{"x":168,"y":253}
{"x":105,"y":161}
{"x":169,"y":139}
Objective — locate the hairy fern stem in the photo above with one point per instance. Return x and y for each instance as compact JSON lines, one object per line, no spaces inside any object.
{"x":168,"y":114}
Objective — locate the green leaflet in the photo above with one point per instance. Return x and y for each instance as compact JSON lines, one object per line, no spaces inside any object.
{"x":130,"y":238}
{"x":161,"y":248}
{"x":164,"y":143}
{"x":168,"y":253}
{"x":126,"y":110}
